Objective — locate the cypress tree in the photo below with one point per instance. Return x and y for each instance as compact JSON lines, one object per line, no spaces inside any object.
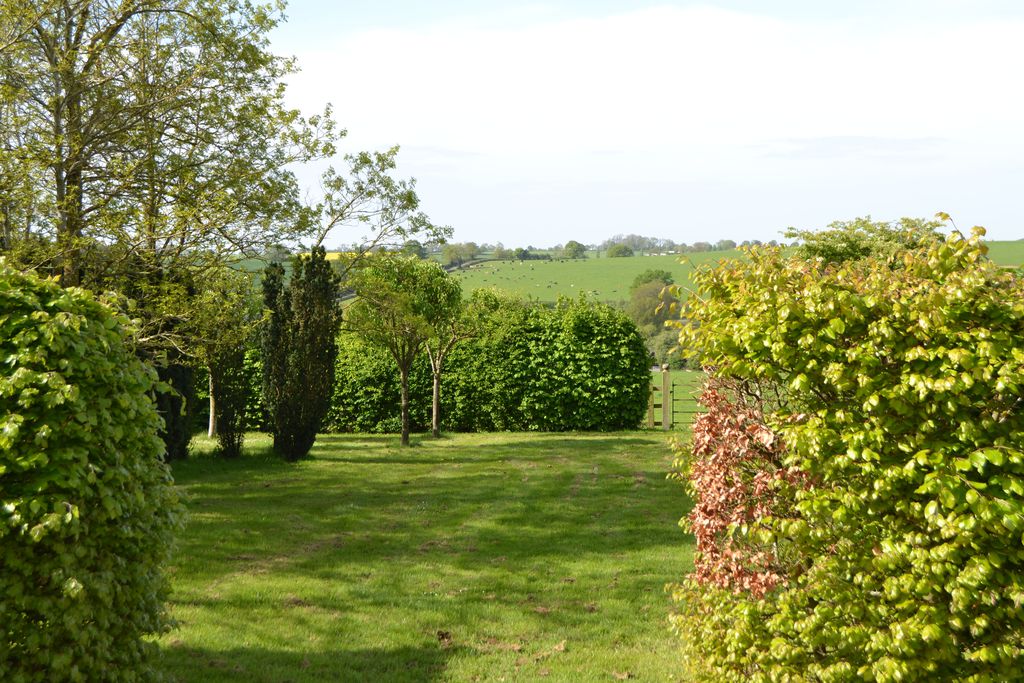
{"x":299,"y":350}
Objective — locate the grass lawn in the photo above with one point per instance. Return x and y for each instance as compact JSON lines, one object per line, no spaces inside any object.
{"x":495,"y":557}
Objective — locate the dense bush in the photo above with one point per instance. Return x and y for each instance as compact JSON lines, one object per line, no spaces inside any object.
{"x":865,"y":520}
{"x":580,"y":366}
{"x":87,"y":506}
{"x":230,"y":387}
{"x":176,"y":407}
{"x":861,"y":238}
{"x":619,"y":251}
{"x":367,"y":394}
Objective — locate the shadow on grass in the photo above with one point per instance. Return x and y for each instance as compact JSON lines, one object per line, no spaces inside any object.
{"x":520,"y":505}
{"x":256,"y":665}
{"x":541,"y":447}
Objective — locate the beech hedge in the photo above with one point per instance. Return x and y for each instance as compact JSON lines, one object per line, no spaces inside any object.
{"x":581,"y":365}
{"x":87,"y":507}
{"x":863,"y":498}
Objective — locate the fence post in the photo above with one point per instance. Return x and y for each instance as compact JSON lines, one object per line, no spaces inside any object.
{"x":650,"y":407}
{"x":666,"y":398}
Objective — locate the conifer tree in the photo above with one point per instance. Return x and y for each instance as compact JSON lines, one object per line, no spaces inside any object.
{"x":299,"y":350}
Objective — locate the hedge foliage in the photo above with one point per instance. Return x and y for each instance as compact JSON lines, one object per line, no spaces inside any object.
{"x":367,"y":394}
{"x":87,"y":507}
{"x":579,"y":366}
{"x":894,"y":388}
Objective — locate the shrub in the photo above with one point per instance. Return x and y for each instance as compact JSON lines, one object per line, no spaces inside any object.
{"x":230,"y":386}
{"x":87,"y":507}
{"x":176,"y":407}
{"x":590,"y":371}
{"x":257,"y":417}
{"x":895,"y":393}
{"x":619,"y":251}
{"x":861,"y":238}
{"x":580,"y":366}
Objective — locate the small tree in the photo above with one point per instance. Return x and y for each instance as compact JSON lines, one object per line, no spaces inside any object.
{"x":227,"y":313}
{"x":574,"y":249}
{"x":401,"y":303}
{"x":453,"y":323}
{"x":299,"y":350}
{"x":619,"y":251}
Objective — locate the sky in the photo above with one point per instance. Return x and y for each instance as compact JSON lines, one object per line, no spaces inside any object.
{"x":539,"y":123}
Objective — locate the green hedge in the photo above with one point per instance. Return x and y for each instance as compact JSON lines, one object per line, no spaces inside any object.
{"x":367,"y":394}
{"x":579,"y":366}
{"x":887,"y":533}
{"x":87,"y":507}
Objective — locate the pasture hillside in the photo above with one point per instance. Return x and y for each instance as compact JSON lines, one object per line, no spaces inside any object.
{"x":608,"y":279}
{"x":1007,"y":253}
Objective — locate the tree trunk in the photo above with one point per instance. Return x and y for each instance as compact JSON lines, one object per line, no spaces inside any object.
{"x":212,"y":430}
{"x":405,"y":406}
{"x":435,"y":422}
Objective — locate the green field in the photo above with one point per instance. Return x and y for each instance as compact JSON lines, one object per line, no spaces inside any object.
{"x":609,"y":279}
{"x":472,"y":558}
{"x":606,"y":278}
{"x":1007,"y":253}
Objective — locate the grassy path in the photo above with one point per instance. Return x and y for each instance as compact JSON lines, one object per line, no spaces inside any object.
{"x":496,"y":557}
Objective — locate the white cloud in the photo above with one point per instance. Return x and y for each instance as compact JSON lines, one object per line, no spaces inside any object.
{"x":670,"y":94}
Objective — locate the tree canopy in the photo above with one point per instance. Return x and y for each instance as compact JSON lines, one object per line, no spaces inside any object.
{"x":147,"y":133}
{"x":861,"y":238}
{"x":402,"y":302}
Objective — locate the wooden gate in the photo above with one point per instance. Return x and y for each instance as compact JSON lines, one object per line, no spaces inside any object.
{"x":673,"y":400}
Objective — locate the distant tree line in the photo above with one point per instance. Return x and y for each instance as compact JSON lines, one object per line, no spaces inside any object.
{"x":639,"y":244}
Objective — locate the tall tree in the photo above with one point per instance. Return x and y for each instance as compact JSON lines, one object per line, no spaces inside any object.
{"x":401,"y":303}
{"x":145,"y":145}
{"x":574,"y":249}
{"x":299,"y":350}
{"x":153,"y":129}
